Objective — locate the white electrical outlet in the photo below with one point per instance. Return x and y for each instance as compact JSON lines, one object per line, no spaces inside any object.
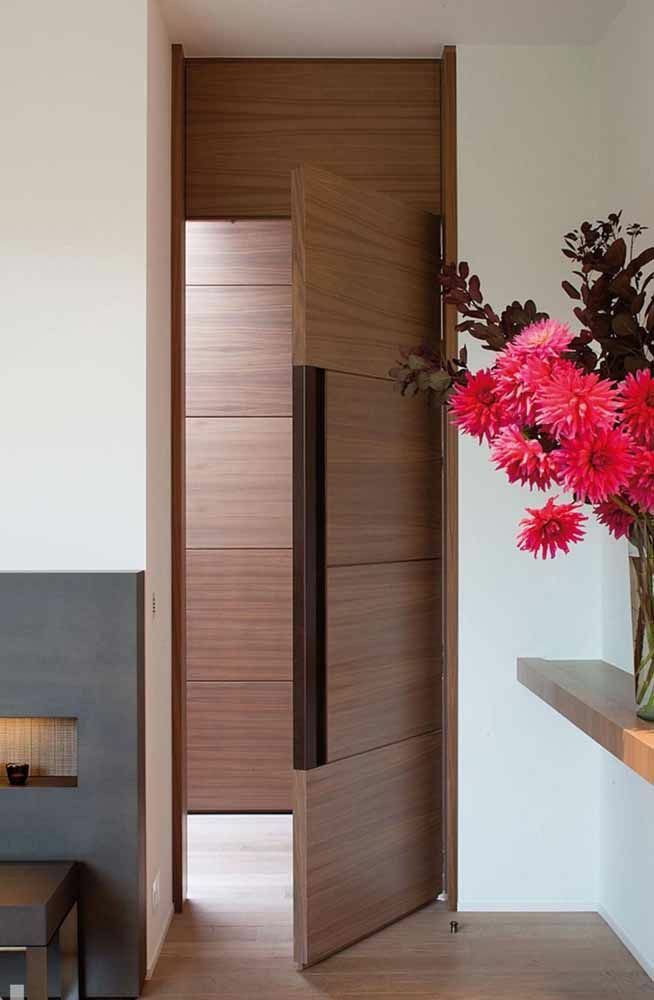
{"x":156,"y":892}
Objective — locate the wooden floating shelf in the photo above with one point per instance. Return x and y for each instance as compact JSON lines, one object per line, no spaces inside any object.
{"x":44,"y":781}
{"x":597,"y":698}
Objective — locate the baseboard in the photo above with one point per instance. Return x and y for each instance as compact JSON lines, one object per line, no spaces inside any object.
{"x":646,"y":965}
{"x":523,"y":906}
{"x":157,"y":952}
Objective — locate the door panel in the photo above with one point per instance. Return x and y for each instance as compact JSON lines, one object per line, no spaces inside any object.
{"x":241,"y":252}
{"x":383,"y":473}
{"x":238,"y":482}
{"x":383,"y":669}
{"x":239,"y":611}
{"x":367,"y":537}
{"x":238,"y":351}
{"x":368,"y":827}
{"x":239,"y":746}
{"x":365,"y":266}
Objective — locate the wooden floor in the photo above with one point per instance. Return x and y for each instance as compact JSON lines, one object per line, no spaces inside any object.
{"x":234,"y":939}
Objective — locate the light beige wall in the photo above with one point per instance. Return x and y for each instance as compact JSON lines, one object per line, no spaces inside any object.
{"x":158,"y":624}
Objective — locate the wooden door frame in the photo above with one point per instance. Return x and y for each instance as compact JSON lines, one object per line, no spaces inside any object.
{"x":450,"y":483}
{"x":178,"y":471}
{"x":178,"y":480}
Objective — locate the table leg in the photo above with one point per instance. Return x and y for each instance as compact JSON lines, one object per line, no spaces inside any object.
{"x":68,"y":957}
{"x":36,"y":960}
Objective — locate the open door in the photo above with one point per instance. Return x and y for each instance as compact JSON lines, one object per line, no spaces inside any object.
{"x":367,"y":544}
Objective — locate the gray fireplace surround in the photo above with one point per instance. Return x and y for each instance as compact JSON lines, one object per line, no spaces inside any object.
{"x":71,"y":645}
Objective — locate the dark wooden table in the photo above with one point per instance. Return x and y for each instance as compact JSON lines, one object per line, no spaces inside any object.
{"x":38,"y":901}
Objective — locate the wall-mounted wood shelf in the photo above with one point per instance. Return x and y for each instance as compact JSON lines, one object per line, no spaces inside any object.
{"x":44,"y":781}
{"x":597,"y":698}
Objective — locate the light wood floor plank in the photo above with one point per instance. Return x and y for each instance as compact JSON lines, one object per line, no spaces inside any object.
{"x":234,"y":940}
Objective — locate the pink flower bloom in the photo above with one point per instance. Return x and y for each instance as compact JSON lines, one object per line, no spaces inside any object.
{"x":477,"y":407}
{"x":637,"y":394}
{"x":518,"y":376}
{"x":614,"y":517}
{"x":573,"y":403}
{"x":551,"y":528}
{"x":641,"y":485}
{"x":523,"y":460}
{"x":594,"y":467}
{"x":546,"y":338}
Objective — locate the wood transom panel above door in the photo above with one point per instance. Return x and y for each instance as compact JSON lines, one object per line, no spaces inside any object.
{"x":364,"y":276}
{"x":249,"y":123}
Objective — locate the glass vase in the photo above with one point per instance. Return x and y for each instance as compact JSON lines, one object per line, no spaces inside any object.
{"x":641,"y":562}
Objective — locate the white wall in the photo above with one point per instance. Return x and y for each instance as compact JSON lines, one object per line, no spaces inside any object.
{"x":528,"y":781}
{"x":72,"y":285}
{"x":627,"y":802}
{"x":84,"y":306}
{"x":158,"y":582}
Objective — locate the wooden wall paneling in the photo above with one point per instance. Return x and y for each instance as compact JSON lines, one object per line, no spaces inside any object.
{"x":371,"y":827}
{"x":371,"y":289}
{"x":238,"y":252}
{"x":239,"y":614}
{"x":383,"y":473}
{"x":450,"y":484}
{"x":238,"y":351}
{"x":251,"y":122}
{"x":238,"y":482}
{"x":383,"y":662}
{"x":177,"y":472}
{"x":240,"y":746}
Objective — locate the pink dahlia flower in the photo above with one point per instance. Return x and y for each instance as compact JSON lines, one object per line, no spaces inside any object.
{"x":523,"y":460}
{"x":614,"y":517}
{"x":594,"y":467}
{"x":551,"y":528}
{"x":518,"y":376}
{"x":545,"y":338}
{"x":641,"y":484}
{"x":637,"y":395}
{"x":571,"y":402}
{"x":477,"y":407}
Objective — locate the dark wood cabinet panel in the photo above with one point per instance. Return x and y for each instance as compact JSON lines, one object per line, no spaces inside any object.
{"x":365,"y":276}
{"x":238,"y":482}
{"x":239,"y":746}
{"x":371,"y":828}
{"x":242,"y":252}
{"x":383,"y":659}
{"x":238,"y":351}
{"x":239,"y":615}
{"x":249,"y":123}
{"x":382,"y":472}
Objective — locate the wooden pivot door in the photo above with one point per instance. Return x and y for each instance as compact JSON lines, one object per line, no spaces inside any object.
{"x":367,"y":673}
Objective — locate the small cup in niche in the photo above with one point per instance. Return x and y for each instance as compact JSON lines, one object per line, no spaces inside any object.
{"x":17,"y":774}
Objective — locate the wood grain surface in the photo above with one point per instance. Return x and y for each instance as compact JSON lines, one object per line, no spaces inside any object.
{"x":238,"y":351}
{"x":383,"y":655}
{"x":383,"y":473}
{"x":240,"y":609}
{"x":239,"y":746}
{"x":367,"y":843}
{"x":365,"y":266}
{"x":238,"y":482}
{"x":251,"y":122}
{"x":597,"y":698}
{"x":238,"y":252}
